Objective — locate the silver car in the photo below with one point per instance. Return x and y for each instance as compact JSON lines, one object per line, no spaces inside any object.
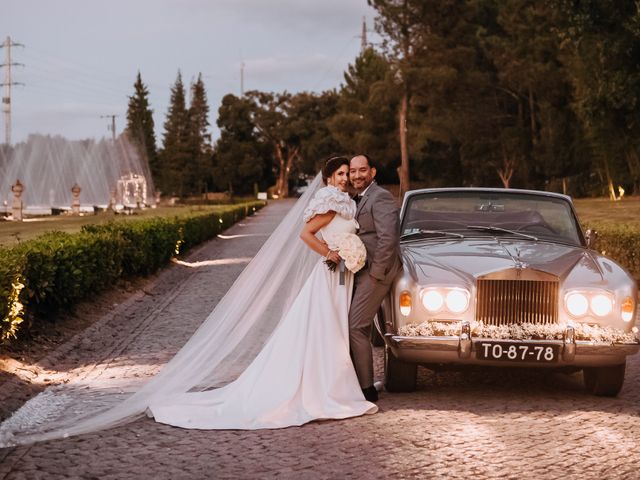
{"x":505,"y":277}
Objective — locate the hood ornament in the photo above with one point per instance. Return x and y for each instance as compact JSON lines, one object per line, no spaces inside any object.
{"x":519,"y":264}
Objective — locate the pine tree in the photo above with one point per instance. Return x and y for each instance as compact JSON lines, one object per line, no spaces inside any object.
{"x":140,"y":126}
{"x":199,"y":169}
{"x":175,"y":154}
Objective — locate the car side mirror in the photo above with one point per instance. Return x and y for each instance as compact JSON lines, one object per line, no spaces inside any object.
{"x":590,"y":236}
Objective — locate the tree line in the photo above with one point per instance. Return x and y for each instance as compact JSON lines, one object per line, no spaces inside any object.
{"x":516,"y":93}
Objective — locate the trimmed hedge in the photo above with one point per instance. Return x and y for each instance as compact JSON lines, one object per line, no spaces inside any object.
{"x":620,"y":242}
{"x":57,"y":269}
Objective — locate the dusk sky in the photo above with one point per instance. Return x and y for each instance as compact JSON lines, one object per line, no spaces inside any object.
{"x":81,"y":56}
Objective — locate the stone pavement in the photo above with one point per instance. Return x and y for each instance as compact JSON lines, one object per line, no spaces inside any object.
{"x":482,"y":423}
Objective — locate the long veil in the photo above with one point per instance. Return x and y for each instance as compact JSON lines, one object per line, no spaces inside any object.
{"x":220,"y":349}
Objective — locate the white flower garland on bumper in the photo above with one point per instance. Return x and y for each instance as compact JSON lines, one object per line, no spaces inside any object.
{"x":524,"y":331}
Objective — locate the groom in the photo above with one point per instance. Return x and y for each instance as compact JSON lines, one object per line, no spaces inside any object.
{"x":378,"y":216}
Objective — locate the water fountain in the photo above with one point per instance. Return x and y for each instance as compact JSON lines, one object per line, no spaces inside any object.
{"x":49,"y":166}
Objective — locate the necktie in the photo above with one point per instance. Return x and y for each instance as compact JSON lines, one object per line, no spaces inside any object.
{"x":357,"y":199}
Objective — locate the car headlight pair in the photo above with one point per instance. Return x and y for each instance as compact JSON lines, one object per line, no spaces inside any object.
{"x":453,"y":299}
{"x":599,"y":303}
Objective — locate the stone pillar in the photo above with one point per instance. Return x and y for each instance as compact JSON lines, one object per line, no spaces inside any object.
{"x":17,"y":205}
{"x":75,"y":203}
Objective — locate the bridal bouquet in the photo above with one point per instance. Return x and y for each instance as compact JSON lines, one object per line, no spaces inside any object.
{"x":351,"y":250}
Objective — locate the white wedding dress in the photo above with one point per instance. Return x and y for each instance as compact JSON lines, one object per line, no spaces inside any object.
{"x":304,"y":372}
{"x":273,"y":353}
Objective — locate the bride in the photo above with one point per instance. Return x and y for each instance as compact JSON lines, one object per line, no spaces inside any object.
{"x":304,"y":372}
{"x":273,"y":353}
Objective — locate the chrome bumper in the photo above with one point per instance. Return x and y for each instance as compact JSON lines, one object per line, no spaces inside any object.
{"x":458,"y":349}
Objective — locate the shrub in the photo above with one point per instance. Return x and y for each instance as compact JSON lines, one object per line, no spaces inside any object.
{"x":621,"y":243}
{"x":57,"y":269}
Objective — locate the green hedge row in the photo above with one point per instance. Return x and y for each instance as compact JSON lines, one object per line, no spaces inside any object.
{"x":620,"y":242}
{"x":57,"y":269}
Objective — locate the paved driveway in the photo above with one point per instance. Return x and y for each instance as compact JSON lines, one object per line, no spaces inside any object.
{"x":484,"y":423}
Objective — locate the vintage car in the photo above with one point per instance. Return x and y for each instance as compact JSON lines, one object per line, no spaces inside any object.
{"x":505,"y":277}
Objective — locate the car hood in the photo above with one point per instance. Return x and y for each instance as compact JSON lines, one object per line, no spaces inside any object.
{"x":459,"y":261}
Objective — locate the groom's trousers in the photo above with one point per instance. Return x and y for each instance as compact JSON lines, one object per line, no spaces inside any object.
{"x":367,"y":297}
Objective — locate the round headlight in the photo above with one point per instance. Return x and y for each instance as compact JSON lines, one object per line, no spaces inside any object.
{"x":432,"y":300}
{"x":457,"y":301}
{"x":601,"y":305}
{"x":577,"y":304}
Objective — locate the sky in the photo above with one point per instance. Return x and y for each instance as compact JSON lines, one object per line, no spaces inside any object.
{"x":81,"y":56}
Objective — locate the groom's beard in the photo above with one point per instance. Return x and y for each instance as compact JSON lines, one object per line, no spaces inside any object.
{"x":361,"y":189}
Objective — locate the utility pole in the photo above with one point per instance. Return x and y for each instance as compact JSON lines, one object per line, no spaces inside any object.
{"x":242,"y":79}
{"x":6,"y":99}
{"x":113,"y":125}
{"x":363,"y":35}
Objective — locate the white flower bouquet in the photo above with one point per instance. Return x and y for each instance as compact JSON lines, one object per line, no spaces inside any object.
{"x":351,"y":250}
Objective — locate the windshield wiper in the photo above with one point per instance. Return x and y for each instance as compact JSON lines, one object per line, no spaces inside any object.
{"x":500,"y":230}
{"x":430,"y":232}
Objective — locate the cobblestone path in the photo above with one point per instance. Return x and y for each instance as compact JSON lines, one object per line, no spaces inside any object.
{"x":483,"y":423}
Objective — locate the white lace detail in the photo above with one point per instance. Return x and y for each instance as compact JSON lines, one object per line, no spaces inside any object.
{"x":330,"y":199}
{"x":40,"y":410}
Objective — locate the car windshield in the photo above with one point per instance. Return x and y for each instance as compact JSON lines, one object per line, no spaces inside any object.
{"x":472,"y":213}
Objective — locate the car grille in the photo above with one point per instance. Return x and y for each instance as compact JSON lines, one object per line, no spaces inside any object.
{"x":504,"y":302}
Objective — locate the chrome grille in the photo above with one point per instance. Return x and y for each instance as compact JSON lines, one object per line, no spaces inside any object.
{"x":504,"y":302}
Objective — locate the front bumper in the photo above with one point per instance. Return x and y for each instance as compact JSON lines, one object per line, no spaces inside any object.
{"x":461,"y":349}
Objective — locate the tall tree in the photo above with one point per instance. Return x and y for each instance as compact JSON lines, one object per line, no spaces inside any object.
{"x":308,"y":114}
{"x":601,"y":42}
{"x":140,"y":126}
{"x":273,"y":121}
{"x":366,"y":108}
{"x":240,"y":159}
{"x":175,"y":154}
{"x":402,"y":25}
{"x":199,"y":139}
{"x":537,"y":136}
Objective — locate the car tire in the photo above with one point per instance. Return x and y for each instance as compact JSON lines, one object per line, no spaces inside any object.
{"x":376,"y":338}
{"x":398,"y":376}
{"x":604,"y":381}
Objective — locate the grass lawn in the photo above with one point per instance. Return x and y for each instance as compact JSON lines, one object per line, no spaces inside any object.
{"x":14,"y":232}
{"x":603,"y":210}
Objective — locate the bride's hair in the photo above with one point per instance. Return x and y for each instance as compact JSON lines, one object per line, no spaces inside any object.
{"x":332,"y":165}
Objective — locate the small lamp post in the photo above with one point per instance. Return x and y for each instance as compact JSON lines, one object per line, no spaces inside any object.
{"x":17,"y":205}
{"x":75,"y":203}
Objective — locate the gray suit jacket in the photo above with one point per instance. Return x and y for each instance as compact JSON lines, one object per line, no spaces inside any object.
{"x":379,"y":219}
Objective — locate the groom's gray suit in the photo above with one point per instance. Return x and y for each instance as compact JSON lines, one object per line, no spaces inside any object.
{"x":378,"y":217}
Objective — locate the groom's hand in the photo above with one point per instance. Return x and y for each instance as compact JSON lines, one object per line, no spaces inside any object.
{"x":333,"y":256}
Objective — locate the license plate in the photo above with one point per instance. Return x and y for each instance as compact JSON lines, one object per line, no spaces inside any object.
{"x":517,"y":352}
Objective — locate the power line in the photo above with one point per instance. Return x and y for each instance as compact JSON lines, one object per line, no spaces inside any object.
{"x":7,"y":84}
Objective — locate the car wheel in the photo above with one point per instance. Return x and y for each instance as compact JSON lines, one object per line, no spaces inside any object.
{"x":376,"y":338}
{"x":398,"y":376}
{"x":604,"y":381}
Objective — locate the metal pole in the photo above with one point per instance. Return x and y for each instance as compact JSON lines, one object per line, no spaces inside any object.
{"x":6,"y":99}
